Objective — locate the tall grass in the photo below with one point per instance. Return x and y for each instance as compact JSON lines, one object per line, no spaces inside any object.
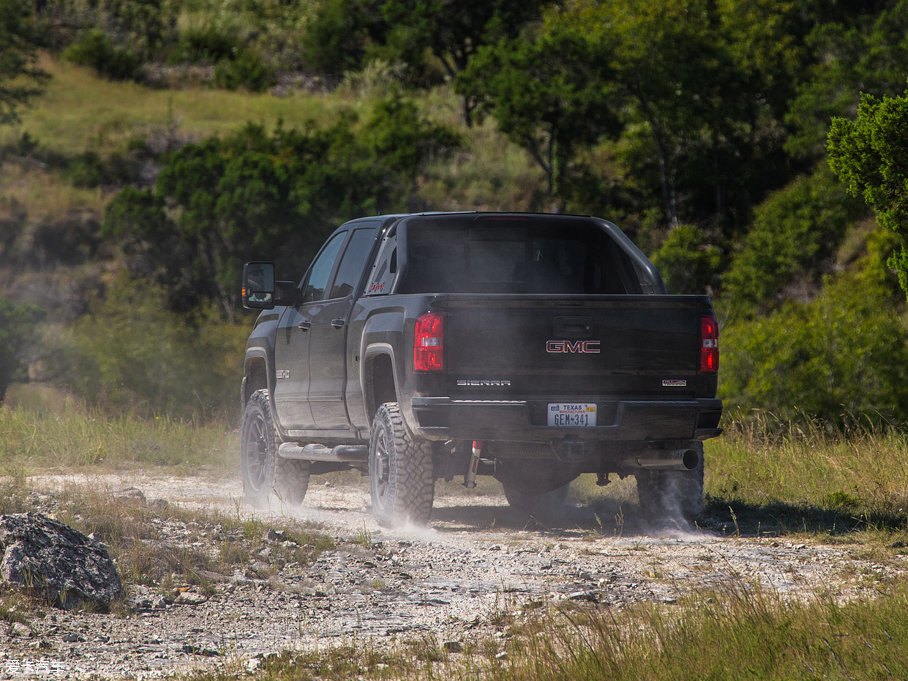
{"x":78,"y":438}
{"x":863,"y":471}
{"x":738,"y":633}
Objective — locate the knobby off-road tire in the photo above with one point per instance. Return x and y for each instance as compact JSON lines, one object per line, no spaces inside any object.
{"x":262,"y":469}
{"x":671,"y":497}
{"x":401,"y":478}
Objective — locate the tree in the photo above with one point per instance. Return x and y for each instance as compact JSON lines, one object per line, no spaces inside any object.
{"x":864,"y":50}
{"x":20,"y":77}
{"x":550,"y":95}
{"x":259,"y":195}
{"x":341,"y":33}
{"x":18,"y":336}
{"x":454,"y":31}
{"x":694,"y":101}
{"x":870,"y":155}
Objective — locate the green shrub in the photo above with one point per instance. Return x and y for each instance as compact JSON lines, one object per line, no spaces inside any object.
{"x":246,"y":70}
{"x":93,"y":48}
{"x":254,"y":194}
{"x":131,"y":353}
{"x":18,"y":337}
{"x":689,"y":263}
{"x":838,"y":357}
{"x":794,"y":234}
{"x":207,"y":44}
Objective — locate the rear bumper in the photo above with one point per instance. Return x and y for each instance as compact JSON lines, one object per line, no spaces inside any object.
{"x":443,"y":418}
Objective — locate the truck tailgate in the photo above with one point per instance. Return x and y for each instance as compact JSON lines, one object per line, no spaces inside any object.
{"x":627,"y":346}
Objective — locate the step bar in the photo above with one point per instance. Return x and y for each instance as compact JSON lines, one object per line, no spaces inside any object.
{"x":341,"y":453}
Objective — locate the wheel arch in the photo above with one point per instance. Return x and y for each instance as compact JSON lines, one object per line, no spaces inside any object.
{"x":379,"y":378}
{"x":256,"y":375}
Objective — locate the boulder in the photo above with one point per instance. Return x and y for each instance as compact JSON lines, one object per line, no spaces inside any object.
{"x":47,"y":559}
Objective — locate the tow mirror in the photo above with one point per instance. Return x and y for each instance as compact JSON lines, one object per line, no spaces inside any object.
{"x":258,"y":285}
{"x":262,"y":292}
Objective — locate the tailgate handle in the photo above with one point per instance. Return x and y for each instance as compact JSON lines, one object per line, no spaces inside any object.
{"x":576,"y":327}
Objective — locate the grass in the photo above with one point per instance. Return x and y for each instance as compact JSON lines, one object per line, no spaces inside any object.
{"x":741,"y":632}
{"x":80,"y":112}
{"x":807,"y":479}
{"x":76,"y":438}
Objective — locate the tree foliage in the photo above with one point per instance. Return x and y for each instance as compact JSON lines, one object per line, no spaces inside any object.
{"x":870,"y":155}
{"x":20,"y":77}
{"x":864,"y":51}
{"x":550,"y":95}
{"x":838,"y":357}
{"x":795,"y":233}
{"x":254,"y":194}
{"x":687,"y":260}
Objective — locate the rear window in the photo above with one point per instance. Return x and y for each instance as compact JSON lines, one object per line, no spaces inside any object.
{"x":513,"y":255}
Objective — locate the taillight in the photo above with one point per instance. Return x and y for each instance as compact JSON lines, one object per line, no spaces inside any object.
{"x":709,"y":344}
{"x":429,"y":343}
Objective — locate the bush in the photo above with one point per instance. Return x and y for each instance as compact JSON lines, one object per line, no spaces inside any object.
{"x":795,"y":232}
{"x":687,"y":261}
{"x":18,"y":338}
{"x":842,"y":356}
{"x":252,"y":195}
{"x":207,"y":44}
{"x":246,"y":71}
{"x":160,"y":362}
{"x":94,"y":49}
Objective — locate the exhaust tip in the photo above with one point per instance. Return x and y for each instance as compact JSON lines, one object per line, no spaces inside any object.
{"x":690,"y":459}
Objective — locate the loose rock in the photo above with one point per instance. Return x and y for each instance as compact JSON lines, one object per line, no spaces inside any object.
{"x":45,"y":558}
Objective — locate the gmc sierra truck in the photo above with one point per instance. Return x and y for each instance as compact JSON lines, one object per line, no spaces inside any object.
{"x":530,"y":347}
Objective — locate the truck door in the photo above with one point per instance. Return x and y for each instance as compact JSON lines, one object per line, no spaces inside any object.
{"x":291,"y":345}
{"x":328,"y":347}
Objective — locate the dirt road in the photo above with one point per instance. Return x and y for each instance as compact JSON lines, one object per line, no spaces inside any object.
{"x":451,"y":581}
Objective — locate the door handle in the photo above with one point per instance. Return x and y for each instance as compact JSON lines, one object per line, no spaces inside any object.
{"x":338,"y":323}
{"x":304,"y":325}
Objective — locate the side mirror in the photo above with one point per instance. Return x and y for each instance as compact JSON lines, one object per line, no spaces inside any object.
{"x":262,"y":292}
{"x":258,"y":285}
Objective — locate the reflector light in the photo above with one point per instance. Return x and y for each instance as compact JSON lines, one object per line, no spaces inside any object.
{"x":428,"y":343}
{"x":709,"y":344}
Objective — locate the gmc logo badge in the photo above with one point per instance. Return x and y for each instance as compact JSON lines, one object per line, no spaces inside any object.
{"x":558,"y":347}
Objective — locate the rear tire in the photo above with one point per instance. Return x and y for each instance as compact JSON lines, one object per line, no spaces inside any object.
{"x":401,"y":476}
{"x":263,"y":470}
{"x":671,"y":496}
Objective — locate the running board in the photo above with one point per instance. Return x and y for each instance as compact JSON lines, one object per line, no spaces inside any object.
{"x":342,"y":453}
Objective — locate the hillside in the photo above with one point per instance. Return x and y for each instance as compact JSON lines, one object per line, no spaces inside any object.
{"x":714,"y":163}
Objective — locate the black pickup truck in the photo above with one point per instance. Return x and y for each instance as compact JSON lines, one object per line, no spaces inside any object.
{"x":529,"y":347}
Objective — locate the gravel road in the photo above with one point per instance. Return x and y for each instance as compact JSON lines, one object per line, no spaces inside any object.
{"x":452,"y":581}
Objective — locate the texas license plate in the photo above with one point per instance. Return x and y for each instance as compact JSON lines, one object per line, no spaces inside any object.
{"x":572,"y":415}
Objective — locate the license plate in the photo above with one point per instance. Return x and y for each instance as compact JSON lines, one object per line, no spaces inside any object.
{"x":573,"y":415}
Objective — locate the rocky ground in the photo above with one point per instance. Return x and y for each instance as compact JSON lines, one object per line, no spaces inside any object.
{"x":452,"y":581}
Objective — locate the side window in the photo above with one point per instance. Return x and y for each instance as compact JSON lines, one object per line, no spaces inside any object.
{"x":385,"y":270}
{"x":351,"y":267}
{"x":314,"y":288}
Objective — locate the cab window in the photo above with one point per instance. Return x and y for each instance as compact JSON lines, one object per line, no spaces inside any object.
{"x":317,"y":281}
